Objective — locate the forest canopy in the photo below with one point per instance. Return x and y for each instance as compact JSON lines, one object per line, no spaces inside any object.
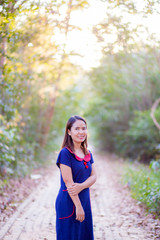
{"x":42,"y":84}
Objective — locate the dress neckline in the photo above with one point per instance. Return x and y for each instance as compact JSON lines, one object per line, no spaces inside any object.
{"x":86,"y":158}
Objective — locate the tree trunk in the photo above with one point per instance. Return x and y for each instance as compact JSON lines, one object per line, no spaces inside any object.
{"x":50,"y":109}
{"x":3,"y":58}
{"x":4,"y":43}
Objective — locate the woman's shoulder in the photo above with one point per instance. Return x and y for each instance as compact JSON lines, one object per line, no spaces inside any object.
{"x":64,"y":151}
{"x":63,"y":158}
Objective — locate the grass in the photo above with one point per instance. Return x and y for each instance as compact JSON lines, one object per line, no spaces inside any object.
{"x":144,"y":183}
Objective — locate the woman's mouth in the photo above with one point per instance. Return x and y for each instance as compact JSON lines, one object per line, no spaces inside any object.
{"x":81,"y":137}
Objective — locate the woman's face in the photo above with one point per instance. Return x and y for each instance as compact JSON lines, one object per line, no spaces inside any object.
{"x":78,"y":131}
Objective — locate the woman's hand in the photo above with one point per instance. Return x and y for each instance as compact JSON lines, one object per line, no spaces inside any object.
{"x":75,"y":189}
{"x":80,"y":215}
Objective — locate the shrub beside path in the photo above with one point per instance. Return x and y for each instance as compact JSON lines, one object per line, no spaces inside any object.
{"x":116,"y":215}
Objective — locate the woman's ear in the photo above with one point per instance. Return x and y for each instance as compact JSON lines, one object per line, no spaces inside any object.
{"x":69,"y":132}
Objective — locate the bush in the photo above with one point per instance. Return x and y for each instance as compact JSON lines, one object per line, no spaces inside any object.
{"x":142,"y":137}
{"x":144,"y":183}
{"x":16,"y":155}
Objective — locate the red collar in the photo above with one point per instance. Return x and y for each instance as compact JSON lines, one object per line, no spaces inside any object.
{"x":86,"y":158}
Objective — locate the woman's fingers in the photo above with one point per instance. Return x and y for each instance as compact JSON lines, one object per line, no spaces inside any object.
{"x":80,"y":215}
{"x":74,"y":189}
{"x":71,"y":191}
{"x":80,"y":218}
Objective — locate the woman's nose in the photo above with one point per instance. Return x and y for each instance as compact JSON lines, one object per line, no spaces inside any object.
{"x":81,"y":131}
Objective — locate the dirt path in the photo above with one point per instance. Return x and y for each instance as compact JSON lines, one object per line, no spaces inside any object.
{"x":116,"y":215}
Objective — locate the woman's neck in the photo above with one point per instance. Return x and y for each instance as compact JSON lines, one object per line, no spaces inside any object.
{"x":78,"y":150}
{"x":77,"y":146}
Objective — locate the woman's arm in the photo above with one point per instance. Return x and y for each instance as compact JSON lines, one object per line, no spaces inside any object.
{"x":67,"y":178}
{"x":76,"y":188}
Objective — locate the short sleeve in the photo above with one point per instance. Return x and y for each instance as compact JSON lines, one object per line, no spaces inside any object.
{"x":64,"y":158}
{"x":91,"y":161}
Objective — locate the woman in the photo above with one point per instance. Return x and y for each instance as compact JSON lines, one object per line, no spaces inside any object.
{"x":73,"y":208}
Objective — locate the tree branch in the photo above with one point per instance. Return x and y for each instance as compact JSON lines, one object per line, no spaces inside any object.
{"x":153,"y":109}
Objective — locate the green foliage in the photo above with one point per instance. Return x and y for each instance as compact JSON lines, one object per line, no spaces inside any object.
{"x":122,"y":96}
{"x":33,"y":70}
{"x":155,"y":164}
{"x":145,"y":185}
{"x":70,"y":102}
{"x":126,"y":83}
{"x":142,"y":137}
{"x":16,"y":155}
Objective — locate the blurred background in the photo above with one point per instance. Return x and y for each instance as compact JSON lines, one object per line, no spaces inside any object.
{"x":98,"y":58}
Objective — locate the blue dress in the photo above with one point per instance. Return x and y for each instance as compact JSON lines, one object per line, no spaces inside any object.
{"x":67,"y":227}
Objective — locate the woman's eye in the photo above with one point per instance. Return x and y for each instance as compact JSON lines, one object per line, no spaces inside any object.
{"x":83,"y":129}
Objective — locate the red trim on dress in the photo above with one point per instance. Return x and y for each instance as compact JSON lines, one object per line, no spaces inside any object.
{"x":86,"y":158}
{"x":69,"y":215}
